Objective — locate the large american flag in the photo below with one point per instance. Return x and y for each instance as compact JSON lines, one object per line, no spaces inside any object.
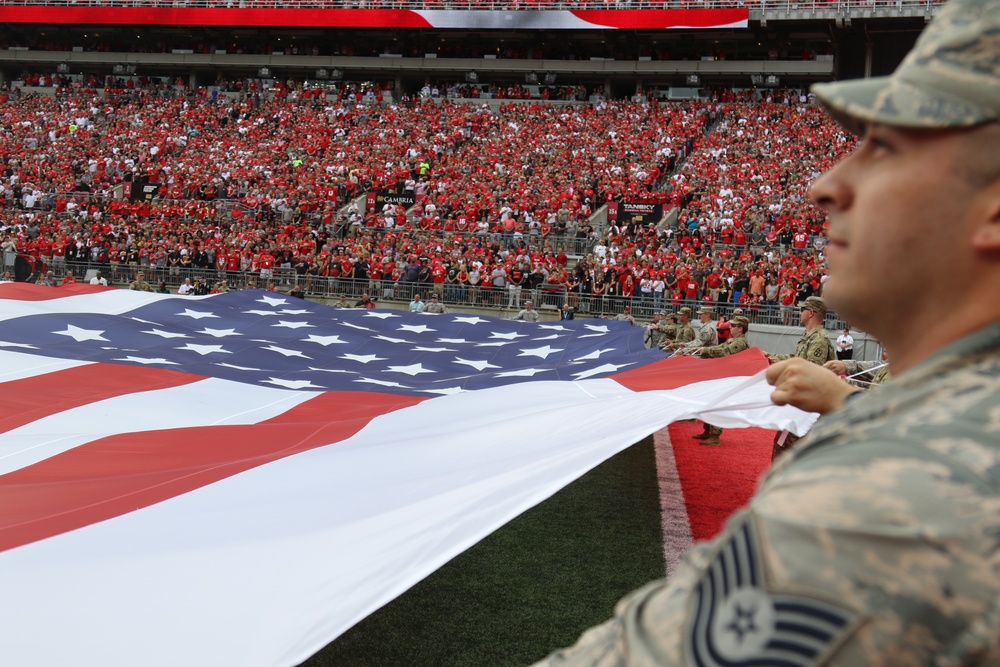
{"x":258,"y":472}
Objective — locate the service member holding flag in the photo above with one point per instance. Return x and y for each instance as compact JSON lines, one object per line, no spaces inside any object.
{"x":874,"y":540}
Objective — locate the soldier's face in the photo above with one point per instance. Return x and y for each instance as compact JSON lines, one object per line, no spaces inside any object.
{"x":897,"y":208}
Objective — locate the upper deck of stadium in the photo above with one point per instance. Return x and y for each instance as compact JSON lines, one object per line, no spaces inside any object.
{"x":618,"y":44}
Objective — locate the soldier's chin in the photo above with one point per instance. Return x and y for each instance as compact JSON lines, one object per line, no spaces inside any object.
{"x":838,"y":298}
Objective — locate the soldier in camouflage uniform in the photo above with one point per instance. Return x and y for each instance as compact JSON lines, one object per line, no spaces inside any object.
{"x":876,"y":540}
{"x":738,"y":327}
{"x":823,"y":389}
{"x":870,"y":372}
{"x":668,"y":330}
{"x":435,"y":306}
{"x":685,"y":332}
{"x":626,"y":315}
{"x":654,"y":337}
{"x":140,"y":284}
{"x":815,"y":346}
{"x":706,"y":335}
{"x":737,"y":341}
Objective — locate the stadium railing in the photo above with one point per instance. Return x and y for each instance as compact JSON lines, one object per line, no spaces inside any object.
{"x":546,"y":297}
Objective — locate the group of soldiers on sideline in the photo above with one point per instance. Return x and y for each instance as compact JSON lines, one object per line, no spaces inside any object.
{"x":674,"y":333}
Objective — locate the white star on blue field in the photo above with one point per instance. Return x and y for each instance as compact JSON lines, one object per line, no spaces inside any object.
{"x":257,"y":337}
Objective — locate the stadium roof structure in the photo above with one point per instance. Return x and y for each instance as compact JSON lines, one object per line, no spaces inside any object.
{"x":620,"y":45}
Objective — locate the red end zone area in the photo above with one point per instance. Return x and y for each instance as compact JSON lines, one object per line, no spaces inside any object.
{"x":717,"y":481}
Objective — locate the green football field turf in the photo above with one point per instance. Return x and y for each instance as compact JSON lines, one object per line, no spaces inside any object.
{"x":532,"y":586}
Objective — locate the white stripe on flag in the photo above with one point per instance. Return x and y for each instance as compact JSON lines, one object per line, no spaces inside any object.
{"x":17,"y":366}
{"x":208,"y":402}
{"x":267,"y":566}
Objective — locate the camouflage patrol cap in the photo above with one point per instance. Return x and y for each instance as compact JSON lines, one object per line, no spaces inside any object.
{"x":706,"y":310}
{"x":951,"y":78}
{"x":740,"y":321}
{"x":684,"y":311}
{"x":815,"y":304}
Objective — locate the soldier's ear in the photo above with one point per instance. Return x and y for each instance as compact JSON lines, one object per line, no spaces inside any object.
{"x":985,"y":205}
{"x":986,"y":209}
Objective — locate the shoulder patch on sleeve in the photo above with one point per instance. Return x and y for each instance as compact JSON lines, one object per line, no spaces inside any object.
{"x":737,"y":621}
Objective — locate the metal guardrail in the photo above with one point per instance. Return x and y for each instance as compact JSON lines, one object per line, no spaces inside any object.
{"x":910,"y":7}
{"x":546,"y":297}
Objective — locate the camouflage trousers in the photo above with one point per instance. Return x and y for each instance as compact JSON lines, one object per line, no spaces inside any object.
{"x":779,"y":449}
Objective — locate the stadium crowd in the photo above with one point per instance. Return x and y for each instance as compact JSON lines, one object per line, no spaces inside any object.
{"x":265,"y":188}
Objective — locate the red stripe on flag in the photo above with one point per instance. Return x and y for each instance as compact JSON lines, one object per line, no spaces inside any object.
{"x":32,"y":292}
{"x":679,"y":371}
{"x":122,"y":473}
{"x":33,"y":398}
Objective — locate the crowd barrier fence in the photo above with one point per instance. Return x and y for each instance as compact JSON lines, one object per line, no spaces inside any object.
{"x":545,"y":297}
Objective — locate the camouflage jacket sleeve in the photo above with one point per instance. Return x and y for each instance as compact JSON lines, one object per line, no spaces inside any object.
{"x":685,"y":334}
{"x":879,"y":372}
{"x":704,"y":337}
{"x":875,"y":541}
{"x":669,"y":331}
{"x":731,"y":346}
{"x":854,"y":367}
{"x":816,"y":347}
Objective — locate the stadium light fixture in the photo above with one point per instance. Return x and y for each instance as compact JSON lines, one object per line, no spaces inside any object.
{"x":550,"y":78}
{"x":693,"y":80}
{"x":62,"y":68}
{"x":757,"y":79}
{"x":322,"y":73}
{"x":264,"y":72}
{"x":472,"y":77}
{"x":772,"y":80}
{"x":336,"y":74}
{"x":531,"y":77}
